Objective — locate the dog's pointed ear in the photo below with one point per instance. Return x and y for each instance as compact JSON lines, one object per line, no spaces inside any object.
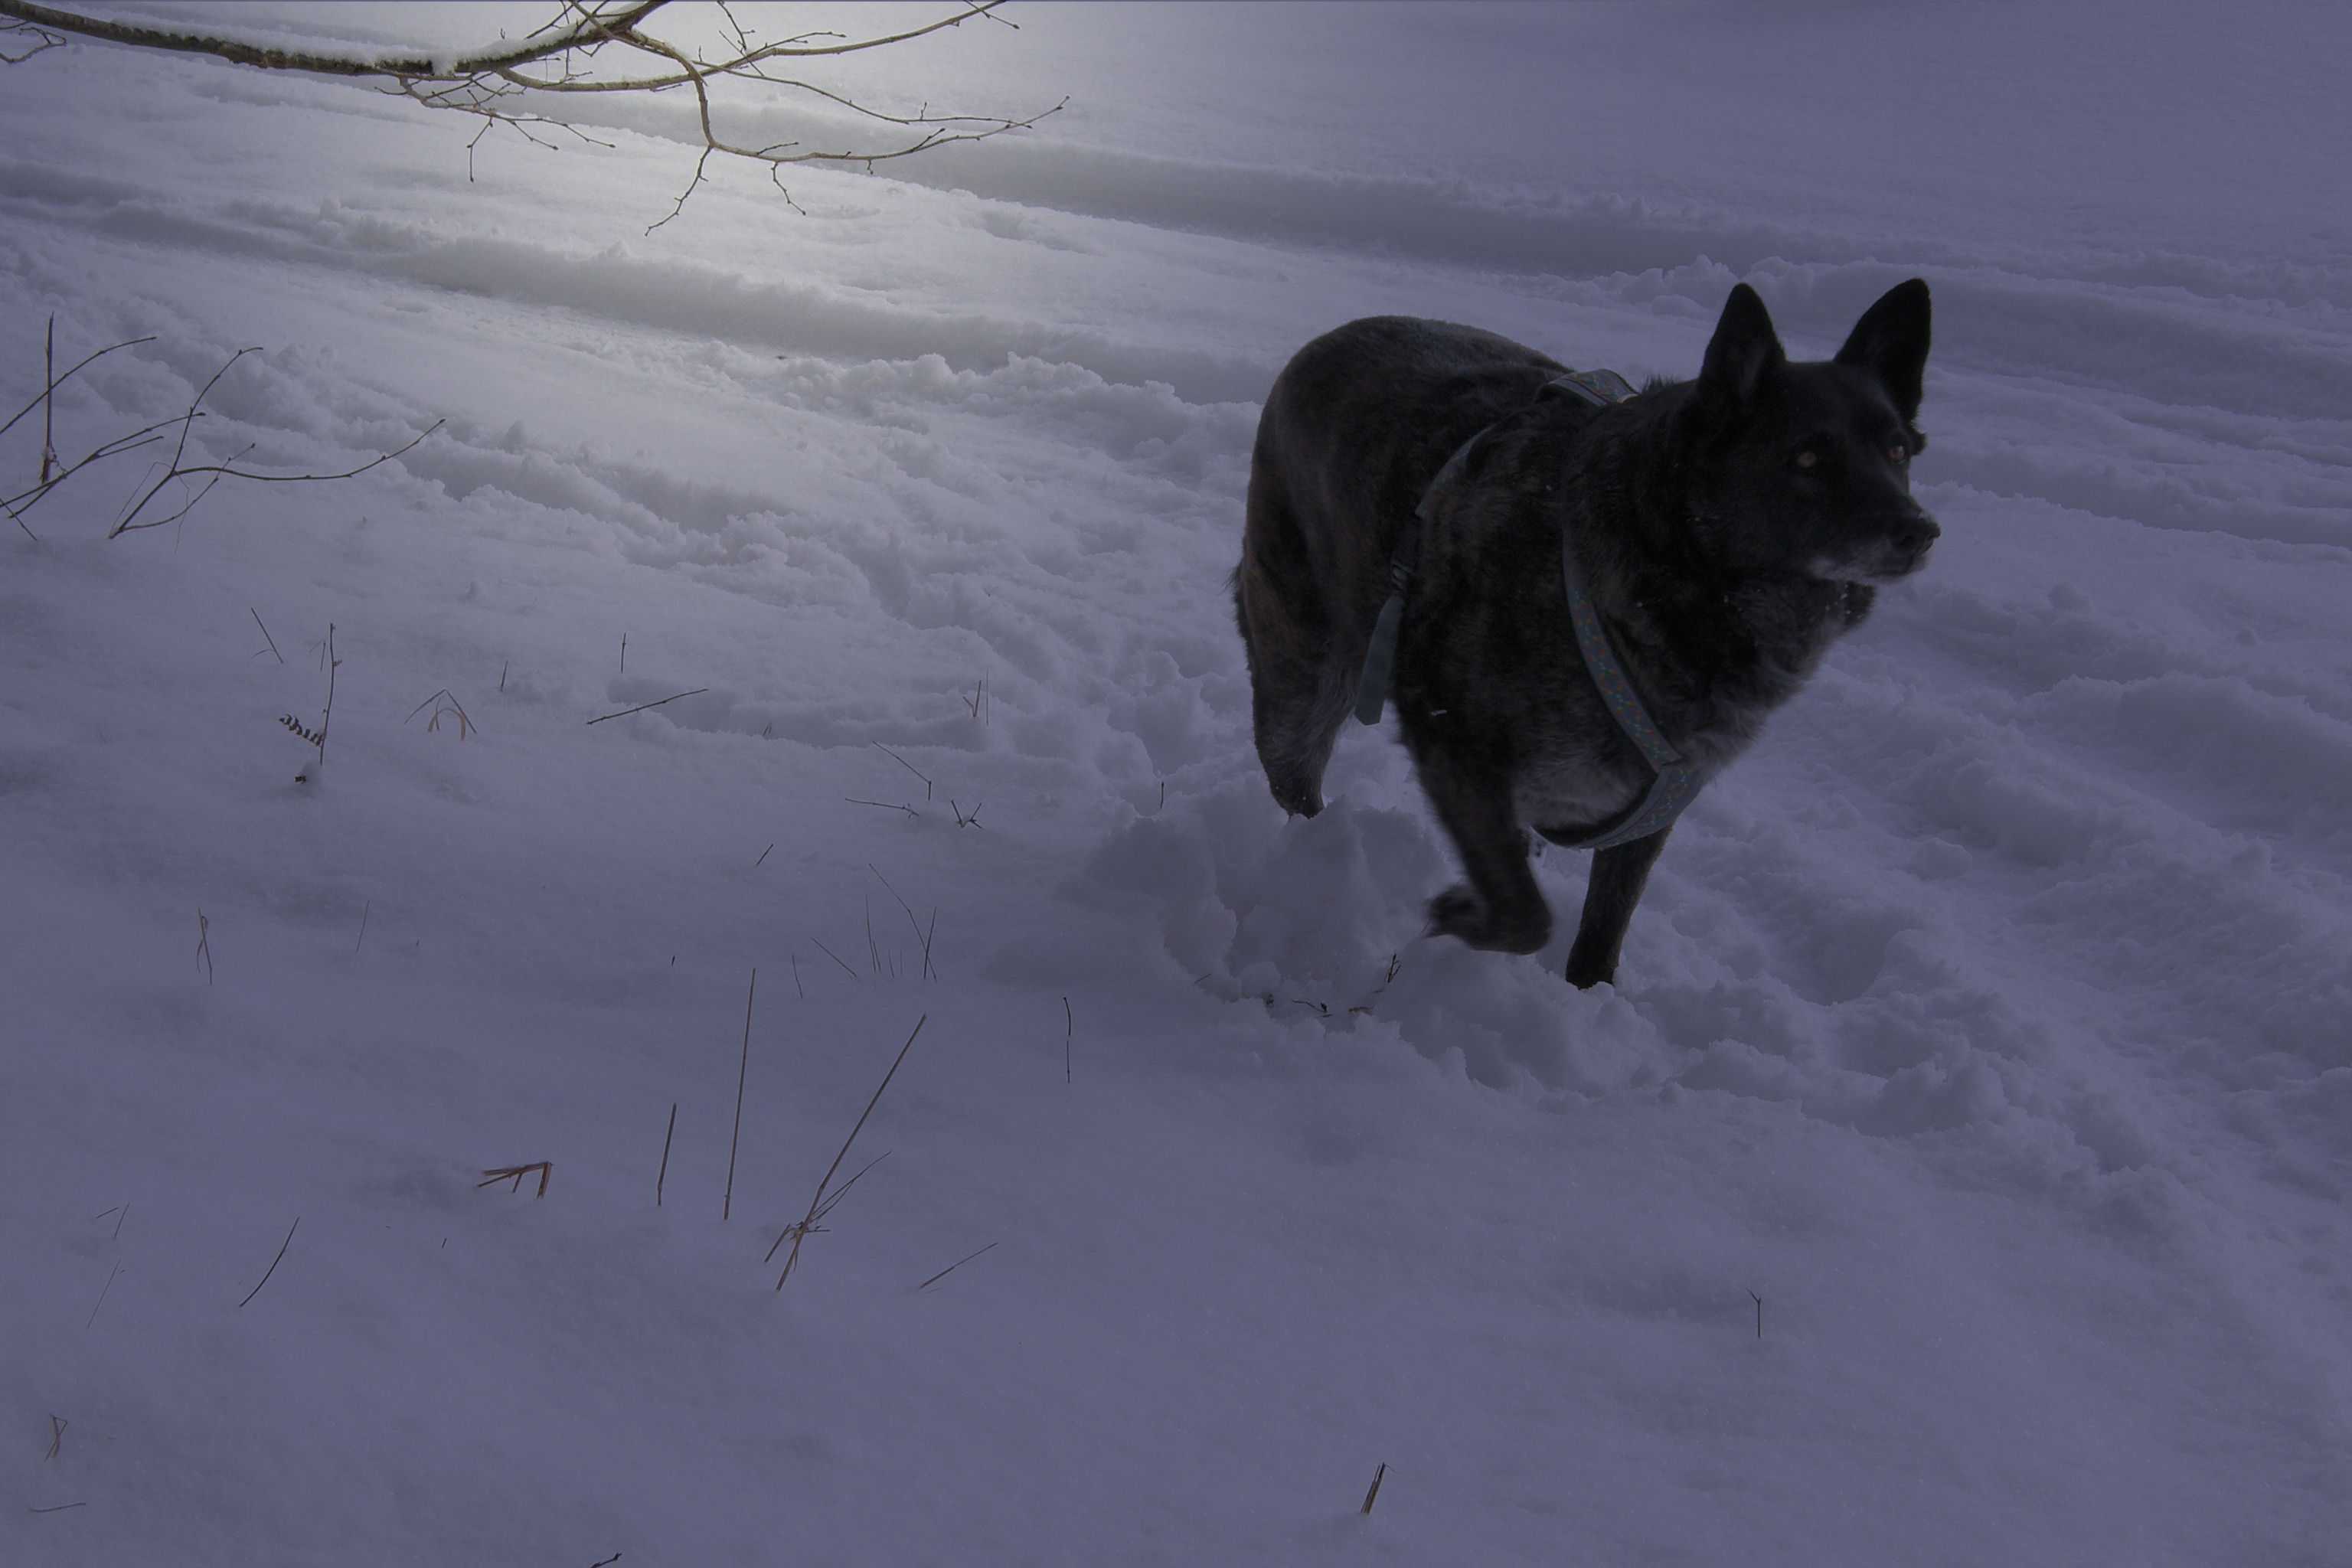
{"x":1891,"y":343}
{"x":1743,"y":352}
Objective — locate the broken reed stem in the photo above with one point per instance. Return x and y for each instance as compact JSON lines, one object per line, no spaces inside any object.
{"x":799,"y":1233}
{"x":282,"y":1246}
{"x":952,"y":1267}
{"x":642,"y":706}
{"x":664,"y":1175}
{"x":762,"y":859}
{"x":1375,"y":1490}
{"x":727,"y":1205}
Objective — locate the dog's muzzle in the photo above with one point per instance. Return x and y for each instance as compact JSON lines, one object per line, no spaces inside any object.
{"x":1910,"y":541}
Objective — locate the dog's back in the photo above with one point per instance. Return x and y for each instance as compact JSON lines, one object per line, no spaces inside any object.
{"x":1355,"y":427}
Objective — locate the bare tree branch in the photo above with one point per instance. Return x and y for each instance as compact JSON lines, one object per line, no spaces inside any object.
{"x":491,"y":84}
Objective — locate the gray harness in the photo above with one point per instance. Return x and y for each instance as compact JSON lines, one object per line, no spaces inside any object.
{"x":1674,"y":782}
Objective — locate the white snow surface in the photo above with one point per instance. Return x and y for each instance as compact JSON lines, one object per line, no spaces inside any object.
{"x":1956,"y":1173}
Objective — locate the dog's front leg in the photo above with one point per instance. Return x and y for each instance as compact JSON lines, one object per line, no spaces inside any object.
{"x":1619,"y":874}
{"x":1498,"y":907}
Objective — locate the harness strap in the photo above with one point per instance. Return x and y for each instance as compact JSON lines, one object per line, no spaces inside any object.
{"x":1675,"y":783}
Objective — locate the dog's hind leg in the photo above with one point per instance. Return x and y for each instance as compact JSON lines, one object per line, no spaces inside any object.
{"x":1619,"y":874}
{"x":1298,"y":702}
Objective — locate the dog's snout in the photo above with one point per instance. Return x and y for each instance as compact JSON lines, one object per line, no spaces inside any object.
{"x":1913,"y":534}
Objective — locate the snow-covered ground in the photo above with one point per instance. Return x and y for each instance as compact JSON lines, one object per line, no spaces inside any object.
{"x":1957,"y":1175}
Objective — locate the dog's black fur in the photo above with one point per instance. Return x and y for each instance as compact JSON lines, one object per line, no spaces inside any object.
{"x":1727,"y":529}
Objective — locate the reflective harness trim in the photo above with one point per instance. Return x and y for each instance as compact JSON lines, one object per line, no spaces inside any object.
{"x":1675,"y":783}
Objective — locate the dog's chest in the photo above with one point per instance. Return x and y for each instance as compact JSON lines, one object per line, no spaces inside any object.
{"x":1566,"y":781}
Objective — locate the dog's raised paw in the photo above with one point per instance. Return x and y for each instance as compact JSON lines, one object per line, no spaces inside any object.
{"x":1460,"y":913}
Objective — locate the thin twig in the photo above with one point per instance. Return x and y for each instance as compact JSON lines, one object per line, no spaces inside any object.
{"x":884,"y":804}
{"x":1375,"y":1492}
{"x":799,"y":1233}
{"x":56,"y":382}
{"x":204,"y":944}
{"x":282,"y":1246}
{"x":59,"y":1507}
{"x":642,"y":706}
{"x":726,"y":1205}
{"x":762,"y":859}
{"x":835,"y":957}
{"x":265,"y":635}
{"x":951,"y":1267}
{"x":58,"y":1424}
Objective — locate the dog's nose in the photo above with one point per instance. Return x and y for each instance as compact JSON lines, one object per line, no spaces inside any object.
{"x":1916,"y":533}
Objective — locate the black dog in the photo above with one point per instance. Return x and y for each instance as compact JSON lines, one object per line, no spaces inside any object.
{"x":1725,"y":530}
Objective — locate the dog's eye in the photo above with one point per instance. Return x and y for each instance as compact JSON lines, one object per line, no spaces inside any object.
{"x":1809,"y":459}
{"x":1898,"y":454}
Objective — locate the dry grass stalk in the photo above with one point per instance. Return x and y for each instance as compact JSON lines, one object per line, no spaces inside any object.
{"x":642,"y":706}
{"x":920,"y":935}
{"x":726,"y":1205}
{"x":818,"y":1207}
{"x":952,"y":1267}
{"x":282,"y":1246}
{"x":1375,"y":1490}
{"x":265,"y":636}
{"x":466,"y":724}
{"x":662,"y":1175}
{"x":546,"y":1168}
{"x":907,"y":765}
